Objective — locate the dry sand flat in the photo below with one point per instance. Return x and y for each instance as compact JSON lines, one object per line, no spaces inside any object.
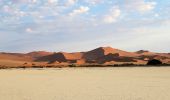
{"x":86,"y":84}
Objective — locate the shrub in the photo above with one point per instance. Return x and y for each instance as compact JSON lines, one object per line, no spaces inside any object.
{"x":154,"y":62}
{"x":72,"y":65}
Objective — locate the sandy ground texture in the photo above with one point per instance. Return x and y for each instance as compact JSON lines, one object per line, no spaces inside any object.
{"x":151,"y":83}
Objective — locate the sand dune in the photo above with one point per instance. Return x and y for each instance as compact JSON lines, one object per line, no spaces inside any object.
{"x":101,"y":55}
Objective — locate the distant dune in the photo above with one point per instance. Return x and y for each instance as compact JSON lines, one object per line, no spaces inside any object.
{"x":101,"y":55}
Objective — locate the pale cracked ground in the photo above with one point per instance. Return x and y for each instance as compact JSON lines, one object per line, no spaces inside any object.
{"x":86,"y":84}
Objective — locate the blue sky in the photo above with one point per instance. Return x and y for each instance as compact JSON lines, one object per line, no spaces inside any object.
{"x":81,"y":25}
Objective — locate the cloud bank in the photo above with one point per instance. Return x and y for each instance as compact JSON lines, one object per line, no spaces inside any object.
{"x":71,"y":25}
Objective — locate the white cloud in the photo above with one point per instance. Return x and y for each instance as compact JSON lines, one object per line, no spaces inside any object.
{"x":6,"y":8}
{"x":18,"y":1}
{"x":52,"y":1}
{"x":94,"y":2}
{"x":146,"y":6}
{"x":113,"y":15}
{"x":49,"y":20}
{"x":71,"y":2}
{"x":29,"y":30}
{"x":156,"y":15}
{"x":81,"y":10}
{"x":140,"y":5}
{"x":34,"y":1}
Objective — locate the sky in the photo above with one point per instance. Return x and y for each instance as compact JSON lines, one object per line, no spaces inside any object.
{"x":82,"y":25}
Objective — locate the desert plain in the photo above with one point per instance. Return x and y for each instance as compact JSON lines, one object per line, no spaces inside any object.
{"x":120,"y":83}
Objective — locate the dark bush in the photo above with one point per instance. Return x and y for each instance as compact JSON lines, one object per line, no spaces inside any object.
{"x":72,"y":65}
{"x":154,"y":62}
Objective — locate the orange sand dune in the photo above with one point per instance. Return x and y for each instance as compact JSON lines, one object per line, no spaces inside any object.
{"x":101,"y":55}
{"x":37,"y":54}
{"x":15,"y":57}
